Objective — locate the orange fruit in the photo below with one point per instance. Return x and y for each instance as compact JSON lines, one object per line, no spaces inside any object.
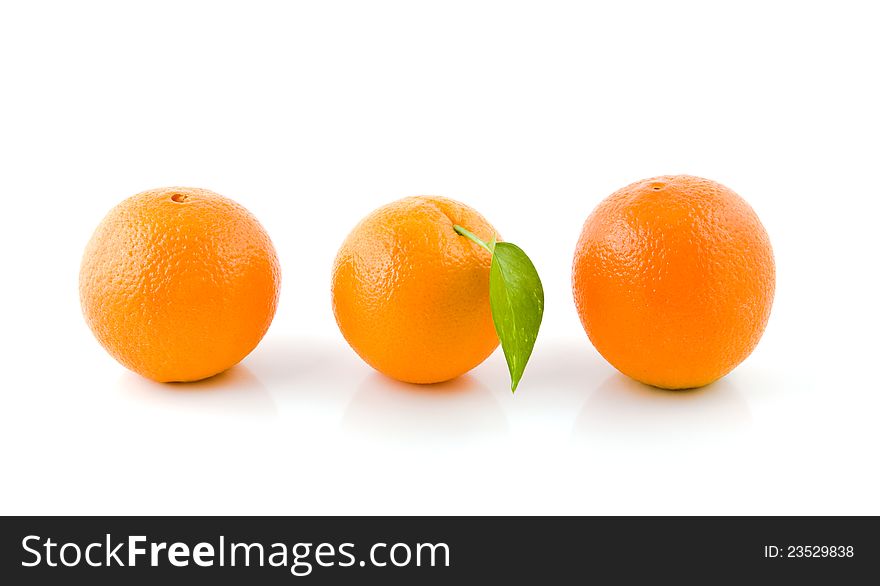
{"x":411,"y":296}
{"x":179,"y":284}
{"x":673,"y":280}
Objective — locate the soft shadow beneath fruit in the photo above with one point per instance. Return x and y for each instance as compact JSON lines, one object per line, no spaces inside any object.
{"x":385,"y":409}
{"x":624,"y":410}
{"x":560,"y":374}
{"x":311,"y":369}
{"x":234,"y":392}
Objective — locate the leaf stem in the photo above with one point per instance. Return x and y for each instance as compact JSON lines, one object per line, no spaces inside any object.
{"x":470,"y":235}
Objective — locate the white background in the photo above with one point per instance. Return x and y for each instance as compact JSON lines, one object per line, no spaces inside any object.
{"x":311,"y":114}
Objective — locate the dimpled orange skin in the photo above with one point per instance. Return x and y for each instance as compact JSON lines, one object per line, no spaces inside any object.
{"x":673,"y":280}
{"x":411,"y":296}
{"x":179,"y":284}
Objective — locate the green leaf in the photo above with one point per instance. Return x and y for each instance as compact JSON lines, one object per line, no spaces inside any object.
{"x":517,"y":299}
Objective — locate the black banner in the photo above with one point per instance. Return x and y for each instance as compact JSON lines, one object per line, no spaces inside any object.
{"x":434,"y":550}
